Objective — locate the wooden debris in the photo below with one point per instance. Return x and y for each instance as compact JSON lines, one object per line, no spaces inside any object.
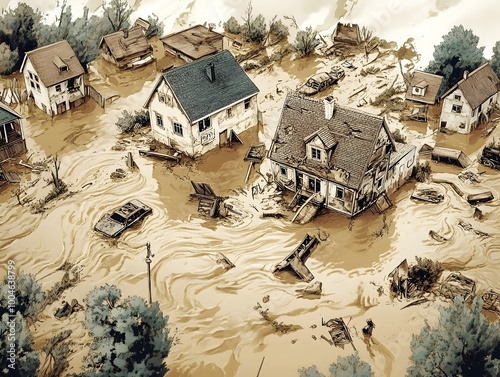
{"x":159,"y":155}
{"x":481,"y":197}
{"x":313,"y":289}
{"x":357,"y":91}
{"x":416,"y":302}
{"x":339,"y":332}
{"x":425,"y":150}
{"x":399,"y":279}
{"x":491,"y":301}
{"x":255,"y":153}
{"x":276,"y":215}
{"x":450,"y":156}
{"x":296,"y":259}
{"x":428,"y":195}
{"x":309,"y":208}
{"x":478,"y":214}
{"x":419,"y":114}
{"x":209,"y":206}
{"x":437,"y":237}
{"x":457,"y":284}
{"x":202,"y":190}
{"x":250,"y":166}
{"x":226,"y":263}
{"x":130,"y":161}
{"x":469,"y":228}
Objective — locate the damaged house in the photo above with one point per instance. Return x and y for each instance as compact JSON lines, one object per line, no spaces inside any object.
{"x":346,"y":155}
{"x":128,"y":48}
{"x":54,"y":78}
{"x":471,"y":101}
{"x":347,"y":34}
{"x":194,"y":43}
{"x":201,"y":105}
{"x":12,"y":141}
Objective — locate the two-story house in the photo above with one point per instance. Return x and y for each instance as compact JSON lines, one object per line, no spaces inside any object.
{"x":346,"y":155}
{"x":54,"y":78}
{"x":471,"y":101}
{"x":197,"y":107}
{"x":12,"y":141}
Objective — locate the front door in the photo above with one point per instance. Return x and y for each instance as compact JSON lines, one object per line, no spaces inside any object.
{"x":61,"y":107}
{"x":223,"y":138}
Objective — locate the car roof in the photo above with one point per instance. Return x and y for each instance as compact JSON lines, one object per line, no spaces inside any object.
{"x":127,"y":209}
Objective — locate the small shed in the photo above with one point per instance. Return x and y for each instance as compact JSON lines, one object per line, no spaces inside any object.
{"x":347,"y":34}
{"x":450,"y":156}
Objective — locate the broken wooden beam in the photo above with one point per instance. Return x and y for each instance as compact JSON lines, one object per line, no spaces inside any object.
{"x":296,"y":259}
{"x":226,"y":263}
{"x":248,"y":171}
{"x":159,"y":155}
{"x":130,"y":161}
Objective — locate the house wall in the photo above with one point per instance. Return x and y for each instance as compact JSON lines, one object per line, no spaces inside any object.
{"x":193,"y":142}
{"x":400,"y":172}
{"x":47,"y":99}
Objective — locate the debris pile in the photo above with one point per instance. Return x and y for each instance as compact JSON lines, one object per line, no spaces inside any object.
{"x":297,"y":258}
{"x":457,"y":284}
{"x":340,"y":335}
{"x":428,"y":195}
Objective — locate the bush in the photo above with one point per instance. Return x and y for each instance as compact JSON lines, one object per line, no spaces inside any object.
{"x":257,"y":30}
{"x":279,"y":30}
{"x":232,"y":26}
{"x":425,"y":273}
{"x":421,"y":172}
{"x":350,"y":366}
{"x":306,"y":41}
{"x":129,"y":122}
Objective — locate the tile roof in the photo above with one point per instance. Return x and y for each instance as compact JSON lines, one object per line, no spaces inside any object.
{"x":480,"y":85}
{"x":126,"y":43}
{"x":195,"y":42}
{"x":355,"y":133}
{"x":427,"y":80}
{"x":198,"y":96}
{"x":7,"y":115}
{"x":46,"y":60}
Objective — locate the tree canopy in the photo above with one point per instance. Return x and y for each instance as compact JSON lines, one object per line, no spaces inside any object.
{"x":350,"y":366}
{"x":457,"y":53}
{"x":463,"y":343}
{"x":28,"y":296}
{"x":306,"y":41}
{"x":495,"y":59}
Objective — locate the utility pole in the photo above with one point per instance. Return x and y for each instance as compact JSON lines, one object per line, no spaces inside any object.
{"x":148,"y":262}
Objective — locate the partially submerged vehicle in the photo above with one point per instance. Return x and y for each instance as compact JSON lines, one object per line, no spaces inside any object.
{"x":490,"y":157}
{"x":112,"y":225}
{"x":320,"y":81}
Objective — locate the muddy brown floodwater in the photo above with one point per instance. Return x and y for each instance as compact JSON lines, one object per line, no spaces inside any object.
{"x":216,"y":329}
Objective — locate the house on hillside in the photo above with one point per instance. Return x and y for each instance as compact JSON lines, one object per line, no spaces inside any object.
{"x":12,"y":141}
{"x":347,"y":156}
{"x":471,"y":101}
{"x":194,"y":43}
{"x":54,"y":78}
{"x":424,"y":87}
{"x":128,"y":48}
{"x":200,"y":105}
{"x":347,"y":34}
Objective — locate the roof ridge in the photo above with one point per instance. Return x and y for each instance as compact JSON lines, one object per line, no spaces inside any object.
{"x":49,"y":45}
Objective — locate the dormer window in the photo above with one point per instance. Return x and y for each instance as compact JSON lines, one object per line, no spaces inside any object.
{"x":316,"y":154}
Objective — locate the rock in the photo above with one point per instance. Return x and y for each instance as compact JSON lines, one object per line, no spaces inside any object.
{"x":315,"y":288}
{"x":314,"y":337}
{"x":118,"y":174}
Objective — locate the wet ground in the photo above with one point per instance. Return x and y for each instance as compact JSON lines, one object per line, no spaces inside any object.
{"x":212,"y":317}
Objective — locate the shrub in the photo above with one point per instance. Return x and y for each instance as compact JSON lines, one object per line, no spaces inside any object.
{"x":421,"y":172}
{"x":232,"y":26}
{"x":129,"y":122}
{"x":306,"y":41}
{"x":425,"y":273}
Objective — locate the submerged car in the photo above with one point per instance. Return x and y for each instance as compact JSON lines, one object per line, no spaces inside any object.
{"x":320,"y":81}
{"x":112,"y":225}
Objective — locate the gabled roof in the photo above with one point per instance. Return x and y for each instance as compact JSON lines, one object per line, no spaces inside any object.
{"x":479,"y":85}
{"x":195,"y":42}
{"x":47,"y":59}
{"x":427,"y":80}
{"x":354,"y":131}
{"x":327,"y":138}
{"x":126,"y":43}
{"x":7,"y":115}
{"x":197,"y":95}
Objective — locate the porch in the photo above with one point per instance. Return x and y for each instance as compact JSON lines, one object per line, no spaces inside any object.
{"x":12,"y":142}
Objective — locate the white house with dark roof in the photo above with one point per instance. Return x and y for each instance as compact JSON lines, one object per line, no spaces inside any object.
{"x":54,"y":78}
{"x":424,"y":87}
{"x":471,"y":101}
{"x":346,"y":155}
{"x":197,"y":107}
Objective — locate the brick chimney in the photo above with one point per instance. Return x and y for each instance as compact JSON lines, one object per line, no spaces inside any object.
{"x":329,"y":103}
{"x":210,"y":68}
{"x":466,"y":75}
{"x":125,"y":33}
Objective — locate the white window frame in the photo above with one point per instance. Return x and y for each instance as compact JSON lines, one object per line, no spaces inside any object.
{"x":317,"y":152}
{"x":159,"y":121}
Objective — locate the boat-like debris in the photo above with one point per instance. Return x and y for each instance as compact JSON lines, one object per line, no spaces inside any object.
{"x":297,"y":258}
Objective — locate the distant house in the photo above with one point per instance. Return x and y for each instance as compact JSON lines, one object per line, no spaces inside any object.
{"x":347,"y":34}
{"x":54,"y":78}
{"x":194,"y":43}
{"x":346,"y":155}
{"x":12,"y":141}
{"x":128,"y":48}
{"x":471,"y":101}
{"x":424,"y":87}
{"x":198,"y":106}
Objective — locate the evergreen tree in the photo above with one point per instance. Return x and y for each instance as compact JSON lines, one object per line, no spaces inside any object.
{"x":457,"y":53}
{"x":463,"y":343}
{"x":495,"y":59}
{"x":350,"y":366}
{"x":117,"y":12}
{"x":27,"y":297}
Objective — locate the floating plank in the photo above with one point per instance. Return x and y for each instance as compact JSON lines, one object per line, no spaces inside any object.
{"x":436,"y":236}
{"x":457,"y":284}
{"x":255,"y":153}
{"x":226,"y":263}
{"x":296,"y":259}
{"x":203,"y":190}
{"x":480,"y":198}
{"x":159,"y":155}
{"x":249,"y":171}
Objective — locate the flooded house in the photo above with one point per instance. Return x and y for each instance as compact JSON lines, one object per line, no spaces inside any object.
{"x":201,"y":105}
{"x":346,"y":155}
{"x":347,"y":34}
{"x":12,"y":141}
{"x":54,"y":78}
{"x":424,"y":87}
{"x":194,"y":43}
{"x":470,"y":101}
{"x":128,"y":48}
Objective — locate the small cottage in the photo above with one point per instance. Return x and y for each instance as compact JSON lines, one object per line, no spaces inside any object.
{"x":347,"y":34}
{"x":128,"y":48}
{"x":199,"y":106}
{"x":54,"y":78}
{"x":194,"y":43}
{"x":424,"y":87}
{"x":12,"y":141}
{"x":346,"y":155}
{"x":471,"y":101}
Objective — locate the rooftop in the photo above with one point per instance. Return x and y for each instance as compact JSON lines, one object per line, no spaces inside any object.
{"x":429,"y":81}
{"x":195,"y":42}
{"x":126,"y":43}
{"x":7,"y":115}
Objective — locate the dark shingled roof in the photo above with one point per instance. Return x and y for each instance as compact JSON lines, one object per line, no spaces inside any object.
{"x":7,"y":115}
{"x":353,"y":131}
{"x":198,"y":96}
{"x":480,"y":85}
{"x":126,"y":43}
{"x":46,"y":59}
{"x":422,"y":79}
